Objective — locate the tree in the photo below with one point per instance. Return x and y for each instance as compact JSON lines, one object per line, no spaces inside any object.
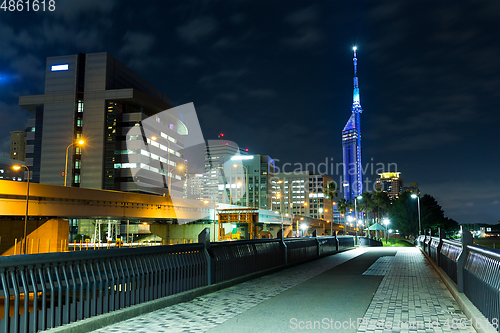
{"x":404,"y":215}
{"x":381,"y":203}
{"x":366,"y":203}
{"x":432,"y":216}
{"x":343,"y":207}
{"x":331,"y":192}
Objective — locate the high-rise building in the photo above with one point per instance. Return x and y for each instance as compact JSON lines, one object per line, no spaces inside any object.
{"x":413,"y":188}
{"x":95,"y":97}
{"x":301,"y":193}
{"x":351,"y":145}
{"x":194,"y":186}
{"x":232,"y":176}
{"x":217,"y":154}
{"x":259,"y":171}
{"x":18,"y":145}
{"x":390,"y":182}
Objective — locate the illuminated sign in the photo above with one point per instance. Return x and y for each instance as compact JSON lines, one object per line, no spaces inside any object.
{"x":242,"y":157}
{"x":57,"y":68}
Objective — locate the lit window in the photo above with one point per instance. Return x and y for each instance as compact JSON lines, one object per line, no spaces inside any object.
{"x":57,"y":68}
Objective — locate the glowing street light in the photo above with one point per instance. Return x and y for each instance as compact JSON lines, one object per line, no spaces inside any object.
{"x":80,"y":143}
{"x":18,"y":167}
{"x":386,"y":222}
{"x":359,"y":197}
{"x":415,"y":196}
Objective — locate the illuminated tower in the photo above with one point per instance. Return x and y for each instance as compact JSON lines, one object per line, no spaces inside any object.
{"x":351,"y":145}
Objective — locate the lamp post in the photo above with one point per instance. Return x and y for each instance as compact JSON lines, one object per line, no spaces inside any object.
{"x":80,"y":143}
{"x":418,"y":203}
{"x":18,"y":167}
{"x":359,"y":197}
{"x":386,"y":222}
{"x":207,"y":201}
{"x":349,"y":220}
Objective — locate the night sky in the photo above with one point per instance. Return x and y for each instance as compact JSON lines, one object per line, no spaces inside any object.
{"x":276,"y":77}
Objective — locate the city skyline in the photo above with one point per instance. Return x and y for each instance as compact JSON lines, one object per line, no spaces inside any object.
{"x":276,"y":77}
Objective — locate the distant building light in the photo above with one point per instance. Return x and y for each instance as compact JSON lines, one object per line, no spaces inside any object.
{"x":56,"y":68}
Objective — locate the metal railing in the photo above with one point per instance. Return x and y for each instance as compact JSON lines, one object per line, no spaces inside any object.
{"x":450,"y":250}
{"x":40,"y":291}
{"x":475,"y":269}
{"x":365,"y":241}
{"x":482,"y":280}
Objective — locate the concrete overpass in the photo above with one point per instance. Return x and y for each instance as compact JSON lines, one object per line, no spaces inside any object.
{"x":50,"y":207}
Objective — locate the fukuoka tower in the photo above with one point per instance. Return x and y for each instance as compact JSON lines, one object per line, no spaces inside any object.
{"x":351,"y":144}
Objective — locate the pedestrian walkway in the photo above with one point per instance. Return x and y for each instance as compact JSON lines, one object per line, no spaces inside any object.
{"x":362,"y":290}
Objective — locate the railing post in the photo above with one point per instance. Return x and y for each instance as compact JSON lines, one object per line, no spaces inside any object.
{"x":284,"y":250}
{"x":336,"y":242}
{"x":466,"y":240}
{"x":204,"y":238}
{"x":442,"y":236}
{"x":429,"y":245}
{"x":318,"y":246}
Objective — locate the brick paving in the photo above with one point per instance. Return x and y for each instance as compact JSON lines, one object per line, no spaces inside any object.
{"x":410,"y":298}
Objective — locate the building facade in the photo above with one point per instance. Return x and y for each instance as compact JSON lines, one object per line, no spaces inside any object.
{"x":391,"y":183}
{"x":302,"y":193}
{"x":97,"y":98}
{"x":232,"y":176}
{"x":18,"y":145}
{"x":351,"y":145}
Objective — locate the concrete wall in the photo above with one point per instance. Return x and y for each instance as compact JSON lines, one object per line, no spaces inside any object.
{"x":43,"y":236}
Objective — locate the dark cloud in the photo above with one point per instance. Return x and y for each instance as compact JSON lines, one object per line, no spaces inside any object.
{"x":305,"y":38}
{"x":189,"y":61}
{"x":303,"y":16}
{"x":224,"y":77}
{"x":197,"y":29}
{"x":261,"y":93}
{"x":136,"y":43}
{"x":279,"y":79}
{"x":71,"y":10}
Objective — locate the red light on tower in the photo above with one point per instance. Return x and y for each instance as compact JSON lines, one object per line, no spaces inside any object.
{"x":246,"y":149}
{"x":221,"y":135}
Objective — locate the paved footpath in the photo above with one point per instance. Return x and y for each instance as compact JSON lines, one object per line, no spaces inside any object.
{"x":362,"y":290}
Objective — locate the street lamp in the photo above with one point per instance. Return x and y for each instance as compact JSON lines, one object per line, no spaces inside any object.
{"x":207,"y":201}
{"x":303,"y":226}
{"x":359,"y":197}
{"x":386,"y":222}
{"x":80,"y":143}
{"x":415,"y":196}
{"x":18,"y":167}
{"x":349,"y":220}
{"x":246,"y":181}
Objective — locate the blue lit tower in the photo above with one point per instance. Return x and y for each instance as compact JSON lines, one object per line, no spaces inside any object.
{"x":351,"y":145}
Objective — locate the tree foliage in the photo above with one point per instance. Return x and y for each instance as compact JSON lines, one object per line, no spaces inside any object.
{"x":404,"y":215}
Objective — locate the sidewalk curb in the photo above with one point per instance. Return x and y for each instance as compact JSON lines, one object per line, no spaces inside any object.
{"x":468,"y":308}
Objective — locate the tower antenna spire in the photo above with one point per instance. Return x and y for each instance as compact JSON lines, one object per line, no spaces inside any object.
{"x":356,"y":106}
{"x":355,"y":61}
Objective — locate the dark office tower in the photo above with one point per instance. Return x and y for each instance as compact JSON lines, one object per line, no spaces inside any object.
{"x":351,"y":145}
{"x":97,"y":98}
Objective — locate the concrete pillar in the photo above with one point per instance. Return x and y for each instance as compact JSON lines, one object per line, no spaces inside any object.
{"x":42,"y":236}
